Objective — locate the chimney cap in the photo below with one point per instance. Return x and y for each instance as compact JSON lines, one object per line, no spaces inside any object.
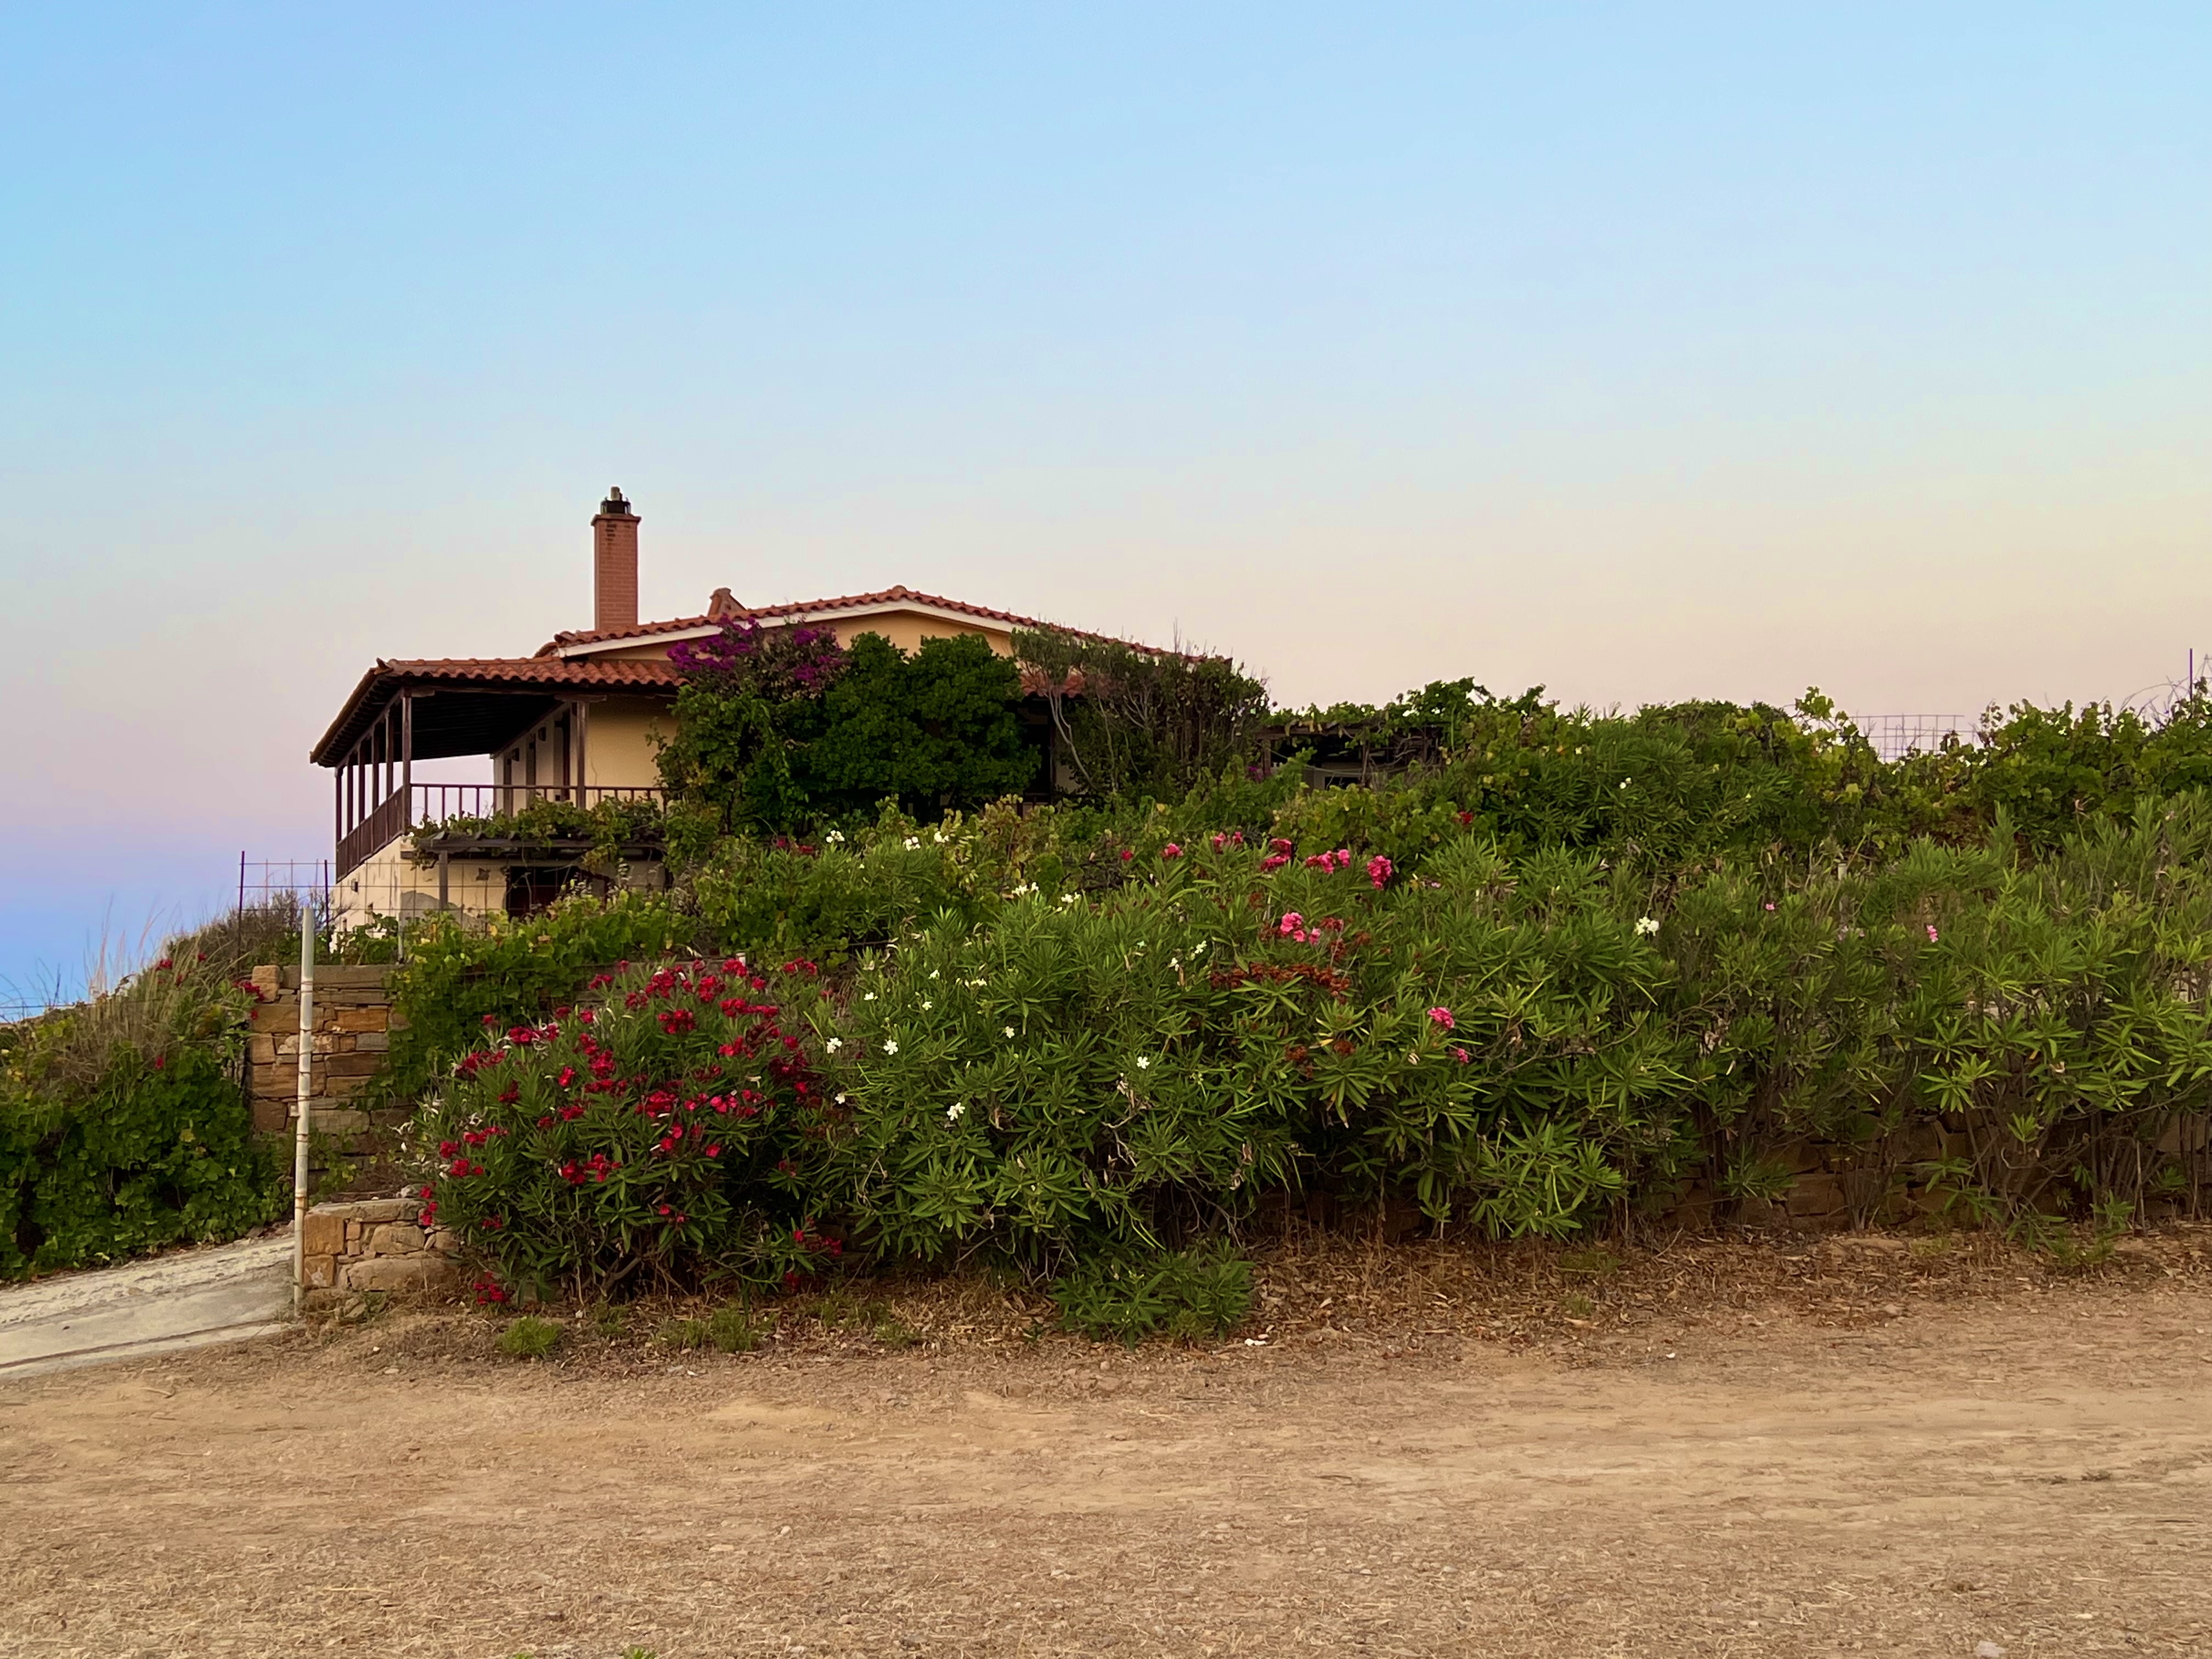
{"x":615,"y":507}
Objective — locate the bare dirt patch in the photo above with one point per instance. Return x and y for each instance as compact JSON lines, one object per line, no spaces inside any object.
{"x":1880,"y":1446}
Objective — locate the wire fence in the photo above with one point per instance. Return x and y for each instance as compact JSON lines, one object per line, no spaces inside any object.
{"x":1895,"y":736}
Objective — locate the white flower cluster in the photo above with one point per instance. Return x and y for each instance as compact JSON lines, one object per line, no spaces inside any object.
{"x":956,"y":1111}
{"x":914,"y":843}
{"x":1647,"y":926}
{"x":836,"y":838}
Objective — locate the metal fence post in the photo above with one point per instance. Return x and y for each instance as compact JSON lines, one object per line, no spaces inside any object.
{"x":307,"y":1087}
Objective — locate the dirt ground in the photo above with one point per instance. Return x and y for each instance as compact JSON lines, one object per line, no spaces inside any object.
{"x":1863,"y":1446}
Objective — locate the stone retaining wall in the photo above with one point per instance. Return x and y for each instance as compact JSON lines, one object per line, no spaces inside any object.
{"x":354,"y":1024}
{"x":377,"y":1244}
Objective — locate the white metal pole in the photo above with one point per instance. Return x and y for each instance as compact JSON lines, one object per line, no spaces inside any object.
{"x":306,"y":1087}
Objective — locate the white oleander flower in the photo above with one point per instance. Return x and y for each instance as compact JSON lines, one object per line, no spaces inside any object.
{"x":956,"y":1111}
{"x":835,"y":1043}
{"x":1647,"y":926}
{"x":1010,"y":1030}
{"x":913,"y":843}
{"x":891,"y":1047}
{"x":835,"y":837}
{"x":840,"y":1099}
{"x":1143,"y":1063}
{"x":927,"y":1005}
{"x":868,"y":996}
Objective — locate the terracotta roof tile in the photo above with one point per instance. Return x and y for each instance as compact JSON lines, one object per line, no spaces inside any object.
{"x":389,"y":677}
{"x":531,"y":670}
{"x":804,"y":608}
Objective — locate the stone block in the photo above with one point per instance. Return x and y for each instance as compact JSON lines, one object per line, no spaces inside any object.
{"x":261,"y":1050}
{"x":321,"y":1272}
{"x":396,"y":1239}
{"x":1813,"y":1195}
{"x":363,"y":1019}
{"x":373,"y":1043}
{"x":269,"y":1115}
{"x":388,"y":1272}
{"x":353,"y":1237}
{"x":330,"y":977}
{"x":444,"y":1241}
{"x":361,"y":1066}
{"x":276,"y":1017}
{"x":375,"y":1210}
{"x":264,"y":980}
{"x":324,"y":1233}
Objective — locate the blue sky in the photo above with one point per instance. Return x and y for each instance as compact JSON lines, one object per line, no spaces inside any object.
{"x":1643,"y":352}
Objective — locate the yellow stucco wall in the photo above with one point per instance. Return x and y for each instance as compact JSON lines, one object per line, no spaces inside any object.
{"x":618,"y":748}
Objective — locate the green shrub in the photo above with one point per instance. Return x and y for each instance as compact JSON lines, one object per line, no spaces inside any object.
{"x":683,"y":1334}
{"x":1187,"y":1294}
{"x":124,"y":1123}
{"x":463,"y":977}
{"x":530,"y":1338}
{"x":1533,"y":1041}
{"x":732,"y":1330}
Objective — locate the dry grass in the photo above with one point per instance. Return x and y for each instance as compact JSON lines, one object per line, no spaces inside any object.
{"x":1321,"y":1290}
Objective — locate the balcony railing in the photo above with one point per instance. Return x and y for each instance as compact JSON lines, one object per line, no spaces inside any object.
{"x":410,"y":806}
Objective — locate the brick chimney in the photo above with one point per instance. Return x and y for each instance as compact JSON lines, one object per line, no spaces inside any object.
{"x":614,"y":565}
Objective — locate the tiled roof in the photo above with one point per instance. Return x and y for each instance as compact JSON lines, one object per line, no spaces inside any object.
{"x":531,"y":670}
{"x":804,"y":608}
{"x":389,"y":677}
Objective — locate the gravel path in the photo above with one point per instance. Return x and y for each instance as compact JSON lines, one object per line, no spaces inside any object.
{"x":2026,"y":1469}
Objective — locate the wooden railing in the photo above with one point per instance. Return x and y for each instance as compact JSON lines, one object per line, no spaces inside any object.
{"x":412,"y":805}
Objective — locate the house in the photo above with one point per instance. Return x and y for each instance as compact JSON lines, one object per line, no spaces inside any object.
{"x":575,"y":721}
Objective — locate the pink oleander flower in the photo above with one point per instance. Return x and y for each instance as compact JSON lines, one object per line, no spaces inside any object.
{"x":1460,"y":1054}
{"x":1171,"y":851}
{"x":1444,"y":1018}
{"x":1274,"y":862}
{"x":1931,"y":933}
{"x":1380,"y":869}
{"x":1292,"y":923}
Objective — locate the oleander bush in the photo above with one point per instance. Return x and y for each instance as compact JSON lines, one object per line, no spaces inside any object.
{"x":1085,"y":1083}
{"x":1576,"y":968}
{"x":648,"y":1136}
